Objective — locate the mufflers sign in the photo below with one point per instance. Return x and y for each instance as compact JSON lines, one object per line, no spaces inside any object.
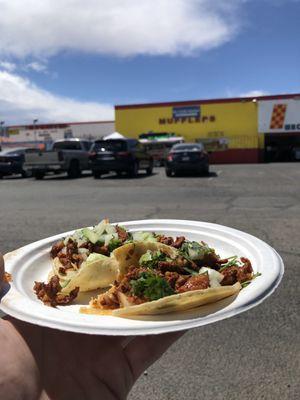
{"x":186,"y":114}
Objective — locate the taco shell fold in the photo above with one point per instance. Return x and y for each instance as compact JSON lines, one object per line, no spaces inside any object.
{"x":100,"y":272}
{"x":169,"y":304}
{"x":130,"y":253}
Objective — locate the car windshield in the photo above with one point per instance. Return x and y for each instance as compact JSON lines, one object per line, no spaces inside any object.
{"x":67,"y":145}
{"x":187,"y":147}
{"x":110,"y":145}
{"x":10,"y":152}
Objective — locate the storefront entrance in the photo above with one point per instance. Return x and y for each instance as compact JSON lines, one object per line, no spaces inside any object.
{"x":282,"y":147}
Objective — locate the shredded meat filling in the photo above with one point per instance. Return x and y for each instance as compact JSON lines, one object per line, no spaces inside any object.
{"x":62,"y":271}
{"x":230,"y":275}
{"x":72,"y":247}
{"x":165,"y":266}
{"x":179,"y":242}
{"x":235,"y":274}
{"x":245,"y":272}
{"x":97,"y":248}
{"x":87,"y":245}
{"x":195,"y":282}
{"x":171,"y":278}
{"x":177,"y":265}
{"x":169,"y":241}
{"x":50,"y":293}
{"x":56,"y":248}
{"x":7,"y":277}
{"x":110,"y":299}
{"x":68,"y":254}
{"x":122,"y":234}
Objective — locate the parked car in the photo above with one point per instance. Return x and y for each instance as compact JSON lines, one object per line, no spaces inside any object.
{"x":67,"y":155}
{"x":296,"y":153}
{"x":12,"y":161}
{"x":119,"y":155}
{"x":187,"y":157}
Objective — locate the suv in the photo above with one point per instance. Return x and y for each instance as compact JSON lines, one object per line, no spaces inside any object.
{"x":119,"y":155}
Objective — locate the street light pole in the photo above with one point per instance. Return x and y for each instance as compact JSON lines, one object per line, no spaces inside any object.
{"x":1,"y":133}
{"x":34,"y":130}
{"x":2,"y":127}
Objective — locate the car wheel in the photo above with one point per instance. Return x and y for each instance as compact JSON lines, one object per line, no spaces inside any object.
{"x":133,"y":172}
{"x":24,"y":174}
{"x":169,"y":172}
{"x":206,"y":170}
{"x":1,"y":176}
{"x":97,"y":174}
{"x":74,"y":170}
{"x":149,"y":170}
{"x":39,"y":175}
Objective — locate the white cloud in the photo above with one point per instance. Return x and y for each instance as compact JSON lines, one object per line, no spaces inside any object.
{"x":21,"y":101}
{"x":118,"y":27}
{"x":254,"y":93}
{"x":36,"y":66}
{"x":8,"y":66}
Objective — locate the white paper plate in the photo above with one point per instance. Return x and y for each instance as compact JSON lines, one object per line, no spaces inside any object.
{"x":32,"y":263}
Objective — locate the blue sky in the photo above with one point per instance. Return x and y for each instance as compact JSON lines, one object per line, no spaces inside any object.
{"x":143,"y":51}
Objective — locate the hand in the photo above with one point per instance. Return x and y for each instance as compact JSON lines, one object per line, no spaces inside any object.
{"x":42,"y":363}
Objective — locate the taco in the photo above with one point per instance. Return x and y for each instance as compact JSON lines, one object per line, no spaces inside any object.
{"x":168,"y":280}
{"x":92,"y":258}
{"x":84,"y":259}
{"x":130,"y":253}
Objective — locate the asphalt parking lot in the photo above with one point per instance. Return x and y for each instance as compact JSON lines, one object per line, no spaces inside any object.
{"x":255,"y":355}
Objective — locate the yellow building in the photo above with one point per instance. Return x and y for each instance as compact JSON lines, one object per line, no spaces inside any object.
{"x":229,"y":128}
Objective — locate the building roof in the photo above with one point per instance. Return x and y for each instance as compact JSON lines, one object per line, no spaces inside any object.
{"x":210,"y":101}
{"x":58,"y":124}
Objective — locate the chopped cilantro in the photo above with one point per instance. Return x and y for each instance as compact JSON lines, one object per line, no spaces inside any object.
{"x":246,"y":283}
{"x":151,"y":286}
{"x":232,"y":261}
{"x":113,"y":244}
{"x":63,"y":285}
{"x":151,"y":258}
{"x":190,"y":271}
{"x":195,"y":251}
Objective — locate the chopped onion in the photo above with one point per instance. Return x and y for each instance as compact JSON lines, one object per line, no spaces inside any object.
{"x":108,"y":238}
{"x":83,"y":250}
{"x":110,"y":229}
{"x":100,"y":228}
{"x":215,"y":277}
{"x":63,"y":250}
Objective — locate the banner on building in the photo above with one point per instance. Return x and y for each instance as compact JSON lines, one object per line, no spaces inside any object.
{"x":13,"y":131}
{"x":186,"y":112}
{"x":275,"y":116}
